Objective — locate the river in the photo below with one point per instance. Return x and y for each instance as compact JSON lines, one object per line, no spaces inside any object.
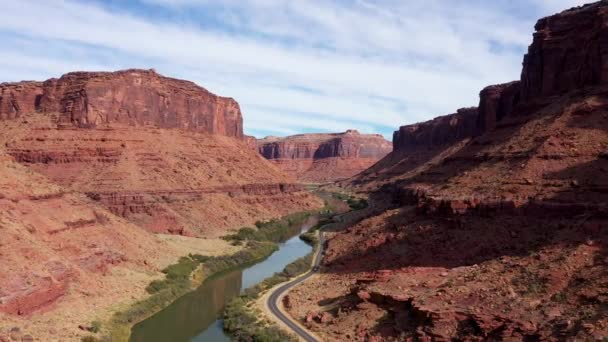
{"x":196,"y":316}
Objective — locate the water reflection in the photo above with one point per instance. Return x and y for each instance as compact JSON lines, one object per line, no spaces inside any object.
{"x":194,"y":317}
{"x":191,"y":314}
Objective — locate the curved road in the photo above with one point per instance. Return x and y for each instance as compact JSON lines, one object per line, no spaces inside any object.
{"x":273,"y":299}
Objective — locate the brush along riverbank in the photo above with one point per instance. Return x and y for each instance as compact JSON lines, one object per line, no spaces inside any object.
{"x":192,"y":270}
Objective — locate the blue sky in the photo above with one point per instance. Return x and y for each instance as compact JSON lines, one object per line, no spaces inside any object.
{"x":294,"y":65}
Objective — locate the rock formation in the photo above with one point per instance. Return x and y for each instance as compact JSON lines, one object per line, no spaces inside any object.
{"x":440,"y":131}
{"x":324,"y":157}
{"x":131,"y":97}
{"x":91,"y":164}
{"x":18,"y":98}
{"x":489,"y":228}
{"x":568,"y":52}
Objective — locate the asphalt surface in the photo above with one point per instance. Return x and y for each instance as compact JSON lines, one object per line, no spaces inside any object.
{"x":273,"y":300}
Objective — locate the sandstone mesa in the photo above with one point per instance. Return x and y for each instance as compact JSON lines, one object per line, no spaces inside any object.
{"x":319,"y":158}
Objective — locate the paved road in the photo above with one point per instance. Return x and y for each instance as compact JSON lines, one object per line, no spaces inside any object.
{"x":273,"y":300}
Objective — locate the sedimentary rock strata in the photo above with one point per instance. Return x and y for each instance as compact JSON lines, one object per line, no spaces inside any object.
{"x":131,"y":97}
{"x":492,"y":228}
{"x":91,"y":164}
{"x":324,"y":157}
{"x":19,"y":98}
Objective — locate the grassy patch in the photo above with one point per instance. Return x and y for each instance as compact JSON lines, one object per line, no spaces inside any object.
{"x":310,"y":238}
{"x":259,"y":242}
{"x":243,"y":324}
{"x":241,"y":318}
{"x":353,"y":202}
{"x":275,"y":230}
{"x":178,"y":282}
{"x":357,"y":204}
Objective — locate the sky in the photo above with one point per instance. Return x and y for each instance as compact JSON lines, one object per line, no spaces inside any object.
{"x":295,"y":66}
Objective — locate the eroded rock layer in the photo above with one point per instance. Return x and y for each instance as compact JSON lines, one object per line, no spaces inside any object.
{"x":324,"y":157}
{"x":18,"y":98}
{"x":92,"y":164}
{"x":164,"y":180}
{"x":494,"y":234}
{"x":132,"y":97}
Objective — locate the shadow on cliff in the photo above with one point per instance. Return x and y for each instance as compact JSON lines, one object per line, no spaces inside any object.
{"x":407,"y":239}
{"x":410,"y":239}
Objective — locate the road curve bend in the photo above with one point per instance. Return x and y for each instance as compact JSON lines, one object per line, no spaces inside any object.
{"x":273,"y":299}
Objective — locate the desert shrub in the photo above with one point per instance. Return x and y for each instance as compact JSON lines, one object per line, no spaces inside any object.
{"x":310,"y":238}
{"x":275,"y":230}
{"x":90,"y":338}
{"x":357,"y":204}
{"x":95,"y":326}
{"x":241,"y":322}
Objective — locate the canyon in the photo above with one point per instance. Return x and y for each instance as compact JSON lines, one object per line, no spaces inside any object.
{"x":107,"y":178}
{"x":323,"y":158}
{"x":486,"y":224}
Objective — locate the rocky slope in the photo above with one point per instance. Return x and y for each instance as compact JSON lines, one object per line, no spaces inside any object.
{"x":158,"y":151}
{"x":318,"y":158}
{"x":488,"y":227}
{"x":91,"y":164}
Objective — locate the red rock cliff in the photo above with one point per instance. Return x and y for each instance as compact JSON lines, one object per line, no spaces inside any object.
{"x":134,"y":97}
{"x":19,"y":98}
{"x":569,"y":51}
{"x":440,"y":131}
{"x":324,"y":157}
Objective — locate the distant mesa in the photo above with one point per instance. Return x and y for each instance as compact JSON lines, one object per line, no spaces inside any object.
{"x":324,"y":157}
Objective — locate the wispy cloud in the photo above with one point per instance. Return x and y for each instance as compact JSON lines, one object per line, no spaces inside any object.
{"x":294,"y":66}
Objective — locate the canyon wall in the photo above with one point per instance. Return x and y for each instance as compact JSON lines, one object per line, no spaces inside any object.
{"x":132,"y":97}
{"x":440,"y":131}
{"x":324,"y":157}
{"x":18,"y":98}
{"x":491,"y":228}
{"x":568,"y":52}
{"x":93,"y":164}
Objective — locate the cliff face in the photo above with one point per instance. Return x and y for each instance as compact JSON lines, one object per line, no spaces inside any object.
{"x":568,"y":52}
{"x":497,"y":102}
{"x":324,"y":157}
{"x":18,"y":98}
{"x":92,"y":164}
{"x":131,"y":97}
{"x":492,"y":228}
{"x":440,"y":131}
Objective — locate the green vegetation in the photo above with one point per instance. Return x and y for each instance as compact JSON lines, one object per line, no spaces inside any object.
{"x":178,"y":282}
{"x":357,"y":204}
{"x":260,"y":242}
{"x":310,"y":238}
{"x":275,"y":230}
{"x":95,"y":326}
{"x":353,"y":202}
{"x":241,"y":318}
{"x":241,"y":321}
{"x":90,"y":338}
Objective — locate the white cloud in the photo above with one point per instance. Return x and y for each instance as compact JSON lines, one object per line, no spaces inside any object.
{"x":367,"y":65}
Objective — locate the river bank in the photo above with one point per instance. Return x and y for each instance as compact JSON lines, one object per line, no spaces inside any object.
{"x":248,"y":316}
{"x":190,"y":272}
{"x":255,"y":245}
